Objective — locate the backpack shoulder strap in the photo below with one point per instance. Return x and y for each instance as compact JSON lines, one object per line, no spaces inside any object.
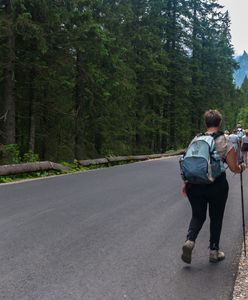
{"x":217,"y":134}
{"x":214,"y":136}
{"x":200,"y":134}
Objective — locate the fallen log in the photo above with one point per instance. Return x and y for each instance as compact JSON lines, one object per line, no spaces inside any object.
{"x":113,"y":159}
{"x":6,"y":170}
{"x":31,"y":167}
{"x":179,"y":152}
{"x":139,"y":157}
{"x":91,"y":162}
{"x":154,"y":156}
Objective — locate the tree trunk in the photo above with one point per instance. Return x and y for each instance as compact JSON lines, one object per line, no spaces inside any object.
{"x":31,"y":112}
{"x":9,"y":80}
{"x":172,"y":88}
{"x":31,"y":167}
{"x":194,"y":70}
{"x":79,"y":97}
{"x":44,"y":124}
{"x":161,"y":135}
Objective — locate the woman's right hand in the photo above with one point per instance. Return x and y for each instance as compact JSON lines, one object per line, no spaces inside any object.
{"x":242,"y":167}
{"x":232,"y":161}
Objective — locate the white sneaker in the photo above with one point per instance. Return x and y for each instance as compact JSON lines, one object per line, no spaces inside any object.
{"x":187,"y":251}
{"x":216,"y":256}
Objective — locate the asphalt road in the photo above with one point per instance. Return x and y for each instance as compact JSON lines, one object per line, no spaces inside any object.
{"x":111,"y":234}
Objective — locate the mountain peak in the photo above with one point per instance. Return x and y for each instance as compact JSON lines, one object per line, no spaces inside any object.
{"x":242,"y":72}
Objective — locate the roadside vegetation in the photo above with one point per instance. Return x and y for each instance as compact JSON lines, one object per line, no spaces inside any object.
{"x":90,"y":79}
{"x":85,"y":79}
{"x":11,"y":156}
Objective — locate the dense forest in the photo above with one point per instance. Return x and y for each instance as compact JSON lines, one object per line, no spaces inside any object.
{"x":90,"y":78}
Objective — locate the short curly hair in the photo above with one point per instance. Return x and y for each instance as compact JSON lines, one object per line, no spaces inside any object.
{"x":213,"y":118}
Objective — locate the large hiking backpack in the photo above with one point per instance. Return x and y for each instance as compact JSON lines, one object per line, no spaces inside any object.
{"x":201,"y":163}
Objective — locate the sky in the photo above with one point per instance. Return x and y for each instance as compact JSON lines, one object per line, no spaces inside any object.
{"x":239,"y":17}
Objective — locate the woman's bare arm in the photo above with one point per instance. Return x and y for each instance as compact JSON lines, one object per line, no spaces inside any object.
{"x":232,"y":161}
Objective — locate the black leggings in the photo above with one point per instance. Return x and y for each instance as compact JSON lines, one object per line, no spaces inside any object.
{"x":200,"y":196}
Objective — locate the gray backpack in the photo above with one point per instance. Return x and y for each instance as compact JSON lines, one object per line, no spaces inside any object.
{"x":201,"y":163}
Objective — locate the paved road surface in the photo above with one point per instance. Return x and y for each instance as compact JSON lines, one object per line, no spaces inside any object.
{"x":110,"y":234}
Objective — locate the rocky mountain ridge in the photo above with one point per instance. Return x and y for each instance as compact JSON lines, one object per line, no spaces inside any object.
{"x":242,"y":72}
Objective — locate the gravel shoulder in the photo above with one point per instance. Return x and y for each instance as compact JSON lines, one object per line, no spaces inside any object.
{"x":240,"y":291}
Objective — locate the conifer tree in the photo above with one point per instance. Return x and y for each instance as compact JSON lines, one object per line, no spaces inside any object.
{"x":88,"y":78}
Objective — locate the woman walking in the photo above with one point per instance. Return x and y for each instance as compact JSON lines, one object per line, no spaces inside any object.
{"x":244,"y":146}
{"x":234,"y":139}
{"x":213,"y":195}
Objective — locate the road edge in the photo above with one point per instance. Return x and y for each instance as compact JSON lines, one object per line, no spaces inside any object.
{"x":85,"y":171}
{"x":240,"y":290}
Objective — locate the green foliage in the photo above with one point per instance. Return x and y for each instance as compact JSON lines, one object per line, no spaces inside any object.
{"x":74,"y":167}
{"x":25,"y":176}
{"x":243,"y":117}
{"x":108,"y":152}
{"x":243,"y":111}
{"x":98,"y":78}
{"x":10,"y":154}
{"x":5,"y":179}
{"x":30,"y":157}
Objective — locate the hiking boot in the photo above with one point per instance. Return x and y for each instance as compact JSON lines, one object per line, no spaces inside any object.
{"x":216,"y":256}
{"x":187,"y":251}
